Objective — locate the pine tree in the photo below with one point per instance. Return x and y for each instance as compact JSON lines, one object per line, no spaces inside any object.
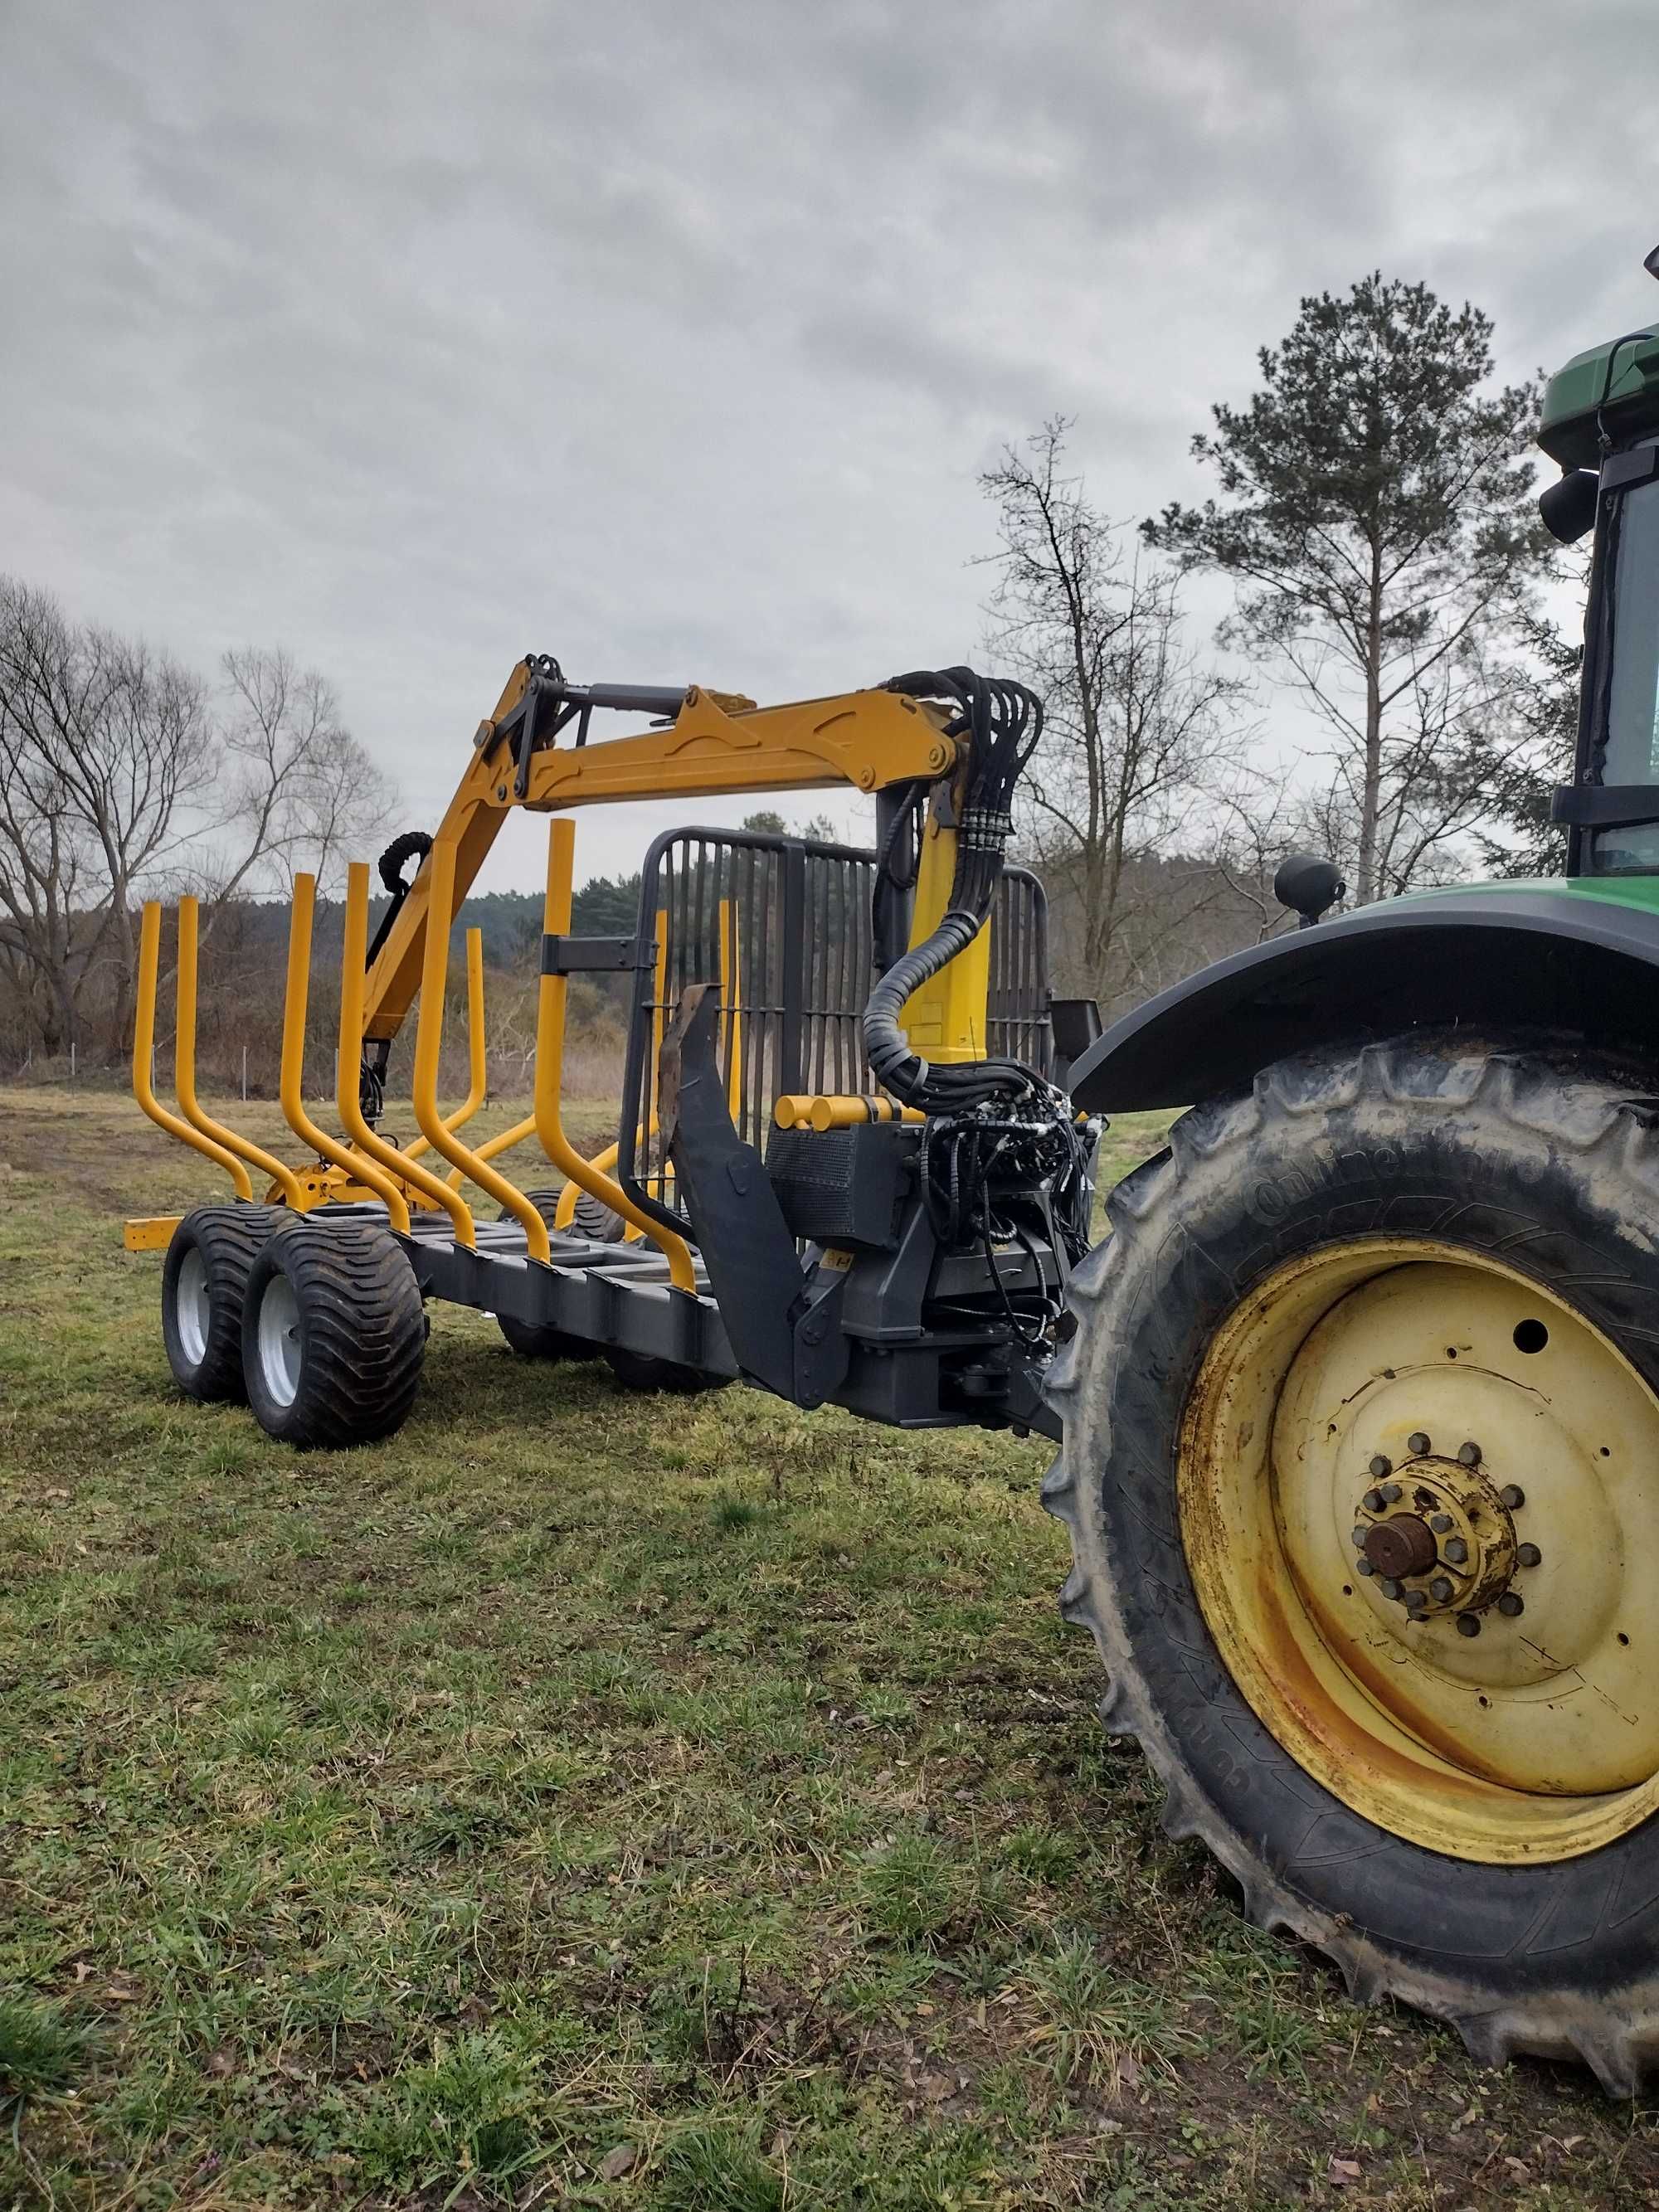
{"x":1376,"y":516}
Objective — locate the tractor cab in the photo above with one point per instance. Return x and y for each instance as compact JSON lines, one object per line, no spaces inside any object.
{"x":1602,"y":424}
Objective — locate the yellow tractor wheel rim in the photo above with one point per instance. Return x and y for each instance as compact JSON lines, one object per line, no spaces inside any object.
{"x":1419,"y":1502}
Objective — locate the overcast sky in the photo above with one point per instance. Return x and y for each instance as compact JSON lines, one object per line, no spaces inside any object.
{"x":669,"y":338}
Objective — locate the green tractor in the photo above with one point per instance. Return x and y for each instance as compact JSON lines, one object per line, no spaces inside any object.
{"x":1358,"y":1403}
{"x":1361,"y":1398}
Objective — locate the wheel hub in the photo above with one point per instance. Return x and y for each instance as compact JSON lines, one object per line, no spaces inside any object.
{"x":1438,"y":1535}
{"x":1418,"y":1500}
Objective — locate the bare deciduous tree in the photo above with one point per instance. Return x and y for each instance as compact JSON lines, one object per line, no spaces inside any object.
{"x":1139,"y":736}
{"x":122,"y":776}
{"x":299,"y":791}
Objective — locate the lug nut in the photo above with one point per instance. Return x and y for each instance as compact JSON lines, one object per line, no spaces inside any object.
{"x":1365,"y":1567}
{"x":1510,"y":1603}
{"x":1440,"y":1522}
{"x":1457,"y":1551}
{"x":1380,"y":1466}
{"x":1359,"y":1539}
{"x":1389,"y":1587}
{"x":1513,"y":1496}
{"x":1440,"y":1589}
{"x":1415,"y":1602}
{"x":1418,"y":1444}
{"x":1528,"y":1555}
{"x":1373,"y":1501}
{"x":1470,"y":1454}
{"x":1467,"y":1625}
{"x":1391,"y":1493}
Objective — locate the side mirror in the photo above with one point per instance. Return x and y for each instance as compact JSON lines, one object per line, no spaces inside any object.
{"x":1568,"y":506}
{"x":1308,"y":885}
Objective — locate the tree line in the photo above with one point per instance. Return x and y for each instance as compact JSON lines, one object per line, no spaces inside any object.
{"x":126,"y":775}
{"x":1386,"y":687}
{"x":1374,"y":522}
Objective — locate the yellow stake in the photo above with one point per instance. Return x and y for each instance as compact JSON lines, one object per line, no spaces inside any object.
{"x":549,"y":1067}
{"x":183,"y":1070}
{"x":144,"y":1053}
{"x":293,"y":1062}
{"x":428,"y":1047}
{"x":349,"y":1062}
{"x":478,"y":1085}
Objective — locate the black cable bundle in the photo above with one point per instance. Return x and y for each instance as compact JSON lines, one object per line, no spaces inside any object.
{"x":1002,"y":722}
{"x":1003,"y":1159}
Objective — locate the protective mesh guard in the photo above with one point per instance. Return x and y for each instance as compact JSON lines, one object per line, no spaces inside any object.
{"x":783,"y":925}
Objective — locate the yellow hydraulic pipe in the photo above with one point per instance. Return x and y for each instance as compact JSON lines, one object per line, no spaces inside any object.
{"x":477,"y":1068}
{"x":945,"y":1018}
{"x":143,"y":1052}
{"x":348,"y":1062}
{"x":184,"y":1066}
{"x":429,"y":1048}
{"x":811,"y":1110}
{"x":549,"y":1063}
{"x":294,"y":1003}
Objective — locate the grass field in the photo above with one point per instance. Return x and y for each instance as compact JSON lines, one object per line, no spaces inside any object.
{"x":597,"y":1800}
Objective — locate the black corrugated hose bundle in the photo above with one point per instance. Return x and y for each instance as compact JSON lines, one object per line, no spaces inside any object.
{"x":1001,"y":1142}
{"x":1002,"y":723}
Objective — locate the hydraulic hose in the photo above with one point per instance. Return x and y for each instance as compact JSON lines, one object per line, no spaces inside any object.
{"x":1001,"y":722}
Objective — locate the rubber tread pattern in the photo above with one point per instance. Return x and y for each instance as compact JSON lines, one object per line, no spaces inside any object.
{"x":532,"y":1339}
{"x":643,"y":1371}
{"x":1559,"y":1962}
{"x":363,"y":1334}
{"x":229,"y":1237}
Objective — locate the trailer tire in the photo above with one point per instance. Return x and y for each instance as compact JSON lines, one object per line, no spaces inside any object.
{"x":333,"y":1333}
{"x":599,"y":1222}
{"x":1471,"y":1183}
{"x":592,"y":1218}
{"x":643,"y":1371}
{"x":533,"y":1340}
{"x":204,"y":1280}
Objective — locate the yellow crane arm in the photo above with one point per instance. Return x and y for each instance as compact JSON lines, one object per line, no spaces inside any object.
{"x":715,"y":746}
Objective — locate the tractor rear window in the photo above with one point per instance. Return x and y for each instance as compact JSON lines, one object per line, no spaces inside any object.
{"x":1629,"y":751}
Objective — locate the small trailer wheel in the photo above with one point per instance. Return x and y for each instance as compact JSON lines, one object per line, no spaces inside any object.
{"x":642,"y":1370}
{"x":592,"y":1219}
{"x":599,"y":1222}
{"x":533,"y":1340}
{"x":205,"y":1276}
{"x":333,"y":1333}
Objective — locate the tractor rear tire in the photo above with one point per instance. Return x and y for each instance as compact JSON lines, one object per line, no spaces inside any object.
{"x":1413,"y":1282}
{"x":204,"y":1280}
{"x":333,"y":1333}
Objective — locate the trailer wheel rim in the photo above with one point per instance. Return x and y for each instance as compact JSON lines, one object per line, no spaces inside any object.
{"x":1499,"y":1701}
{"x":280,"y":1356}
{"x":193,"y":1306}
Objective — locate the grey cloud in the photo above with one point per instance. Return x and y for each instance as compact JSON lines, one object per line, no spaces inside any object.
{"x":670,"y":338}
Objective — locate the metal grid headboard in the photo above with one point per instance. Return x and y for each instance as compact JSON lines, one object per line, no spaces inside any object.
{"x":783,"y":923}
{"x":1016,"y":1011}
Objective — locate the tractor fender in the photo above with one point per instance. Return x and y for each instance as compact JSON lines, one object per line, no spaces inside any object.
{"x":1572,"y":958}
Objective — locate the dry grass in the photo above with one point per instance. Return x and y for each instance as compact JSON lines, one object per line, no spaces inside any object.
{"x":593,"y":1800}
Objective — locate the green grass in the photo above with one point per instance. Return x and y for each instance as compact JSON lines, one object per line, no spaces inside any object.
{"x":594,"y":1800}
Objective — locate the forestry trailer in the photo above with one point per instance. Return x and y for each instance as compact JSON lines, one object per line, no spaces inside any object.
{"x":1357,"y":1400}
